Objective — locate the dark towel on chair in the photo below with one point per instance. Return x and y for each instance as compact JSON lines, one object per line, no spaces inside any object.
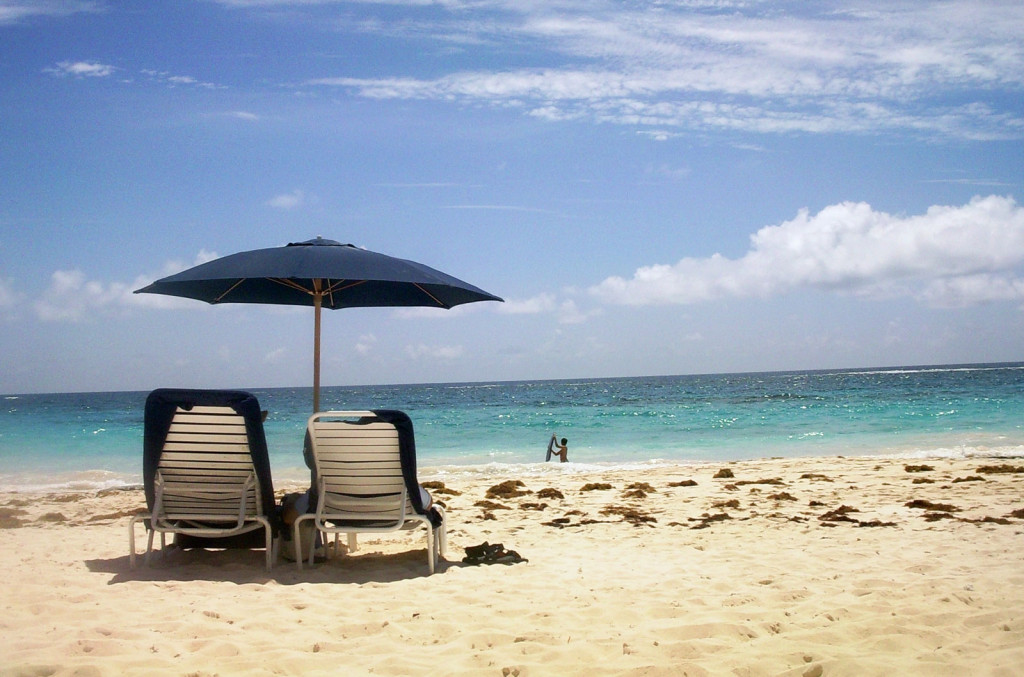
{"x":407,"y":454}
{"x":160,"y":407}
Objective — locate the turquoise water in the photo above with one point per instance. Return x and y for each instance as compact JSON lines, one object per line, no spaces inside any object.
{"x":95,"y":439}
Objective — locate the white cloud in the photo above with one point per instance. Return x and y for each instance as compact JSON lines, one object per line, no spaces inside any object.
{"x":366,"y":344}
{"x":566,"y":311}
{"x":500,"y":208}
{"x":291,"y":200}
{"x":243,"y":4}
{"x":9,"y":297}
{"x":162,"y":301}
{"x":13,"y":11}
{"x":946,"y":256}
{"x":969,"y":290}
{"x":172,"y":80}
{"x":92,"y":69}
{"x":82,"y":69}
{"x":541,"y":303}
{"x":276,"y":356}
{"x":72,"y":297}
{"x":570,"y":313}
{"x":171,"y":267}
{"x":243,"y":115}
{"x":203,"y":256}
{"x":421,"y":351}
{"x":435,"y":313}
{"x":796,"y":67}
{"x":429,"y":313}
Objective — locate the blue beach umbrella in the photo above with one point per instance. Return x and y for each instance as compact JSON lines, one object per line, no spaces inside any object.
{"x":319,"y":273}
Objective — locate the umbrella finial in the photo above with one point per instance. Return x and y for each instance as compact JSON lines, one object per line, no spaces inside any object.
{"x":318,"y":241}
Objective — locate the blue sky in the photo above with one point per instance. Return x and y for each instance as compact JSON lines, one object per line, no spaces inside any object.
{"x":654,"y":187}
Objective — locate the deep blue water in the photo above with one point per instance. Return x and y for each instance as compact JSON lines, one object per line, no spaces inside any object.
{"x":95,"y":439}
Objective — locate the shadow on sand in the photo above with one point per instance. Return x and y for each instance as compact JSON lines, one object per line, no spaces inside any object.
{"x":247,"y":567}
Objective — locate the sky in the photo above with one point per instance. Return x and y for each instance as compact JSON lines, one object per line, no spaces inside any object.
{"x":653,"y":186}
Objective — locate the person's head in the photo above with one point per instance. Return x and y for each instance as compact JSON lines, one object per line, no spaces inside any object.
{"x":564,"y":441}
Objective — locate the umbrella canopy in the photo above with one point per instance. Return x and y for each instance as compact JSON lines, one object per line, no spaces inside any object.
{"x":319,"y":273}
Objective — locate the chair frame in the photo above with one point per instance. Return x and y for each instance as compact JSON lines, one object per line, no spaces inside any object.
{"x":360,"y":485}
{"x":206,"y":483}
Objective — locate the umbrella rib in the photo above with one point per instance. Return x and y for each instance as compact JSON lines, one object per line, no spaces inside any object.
{"x":228,"y":291}
{"x":341,"y":285}
{"x":290,"y":283}
{"x":433,"y":298}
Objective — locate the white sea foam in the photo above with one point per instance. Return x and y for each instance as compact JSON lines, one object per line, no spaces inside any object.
{"x":100,"y":480}
{"x":962,"y":452}
{"x":930,"y":370}
{"x":541,"y":469}
{"x":87,"y":481}
{"x":499,"y":471}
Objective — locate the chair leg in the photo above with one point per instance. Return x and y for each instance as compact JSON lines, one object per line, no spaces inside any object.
{"x":430,"y":547}
{"x":297,"y":542}
{"x":131,"y":539}
{"x":353,"y":545}
{"x":149,"y":544}
{"x":443,"y":532}
{"x":270,"y":546}
{"x":312,"y":547}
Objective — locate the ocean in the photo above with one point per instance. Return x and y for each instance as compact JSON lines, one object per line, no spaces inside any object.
{"x":85,"y":441}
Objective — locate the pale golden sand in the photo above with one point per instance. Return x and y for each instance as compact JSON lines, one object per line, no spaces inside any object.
{"x":619,"y":582}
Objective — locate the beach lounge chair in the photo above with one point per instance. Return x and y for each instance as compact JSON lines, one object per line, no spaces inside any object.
{"x":206,"y":472}
{"x":364,"y":470}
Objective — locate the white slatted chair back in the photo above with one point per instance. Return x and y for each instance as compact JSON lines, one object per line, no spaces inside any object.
{"x":206,"y":472}
{"x":360,"y":472}
{"x":206,"y":484}
{"x":360,"y":482}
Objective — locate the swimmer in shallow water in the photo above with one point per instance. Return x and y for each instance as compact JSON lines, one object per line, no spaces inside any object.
{"x":559,"y":449}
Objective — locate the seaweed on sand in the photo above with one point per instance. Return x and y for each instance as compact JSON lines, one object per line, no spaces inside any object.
{"x":507,"y":489}
{"x":631,"y":515}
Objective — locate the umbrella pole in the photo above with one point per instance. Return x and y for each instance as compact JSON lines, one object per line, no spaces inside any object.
{"x":317,"y":300}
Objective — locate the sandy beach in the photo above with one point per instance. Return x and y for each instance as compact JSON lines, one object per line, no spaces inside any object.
{"x":823,"y":566}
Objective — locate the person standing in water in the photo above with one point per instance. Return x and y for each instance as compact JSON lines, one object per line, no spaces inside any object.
{"x":562,"y":449}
